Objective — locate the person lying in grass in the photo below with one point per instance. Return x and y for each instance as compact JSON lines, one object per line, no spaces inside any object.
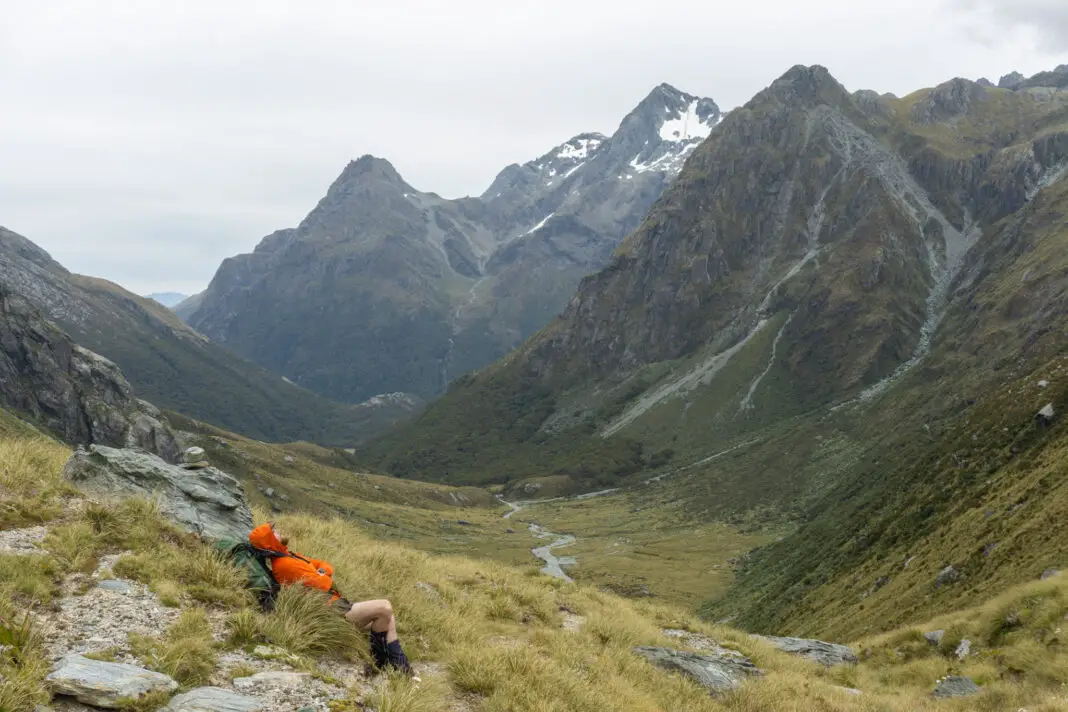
{"x":374,"y":616}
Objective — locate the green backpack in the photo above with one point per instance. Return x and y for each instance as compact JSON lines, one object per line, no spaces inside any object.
{"x":256,"y":563}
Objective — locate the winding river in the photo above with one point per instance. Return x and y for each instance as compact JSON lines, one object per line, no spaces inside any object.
{"x":553,"y":564}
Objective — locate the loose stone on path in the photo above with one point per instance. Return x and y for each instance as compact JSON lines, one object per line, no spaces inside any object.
{"x":104,"y":684}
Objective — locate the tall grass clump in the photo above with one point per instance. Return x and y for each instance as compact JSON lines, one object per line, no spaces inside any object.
{"x":31,"y":486}
{"x":186,"y":651}
{"x":304,"y":623}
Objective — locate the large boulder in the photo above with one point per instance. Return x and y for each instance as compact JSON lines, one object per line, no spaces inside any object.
{"x":206,"y":501}
{"x":719,"y":669}
{"x":107,"y":685}
{"x":80,"y":396}
{"x":828,"y":654}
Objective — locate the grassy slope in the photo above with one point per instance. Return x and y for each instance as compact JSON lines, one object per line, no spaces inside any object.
{"x":496,"y":634}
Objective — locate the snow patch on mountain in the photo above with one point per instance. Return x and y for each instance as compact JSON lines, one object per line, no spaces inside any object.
{"x":687,"y":125}
{"x":540,"y":225}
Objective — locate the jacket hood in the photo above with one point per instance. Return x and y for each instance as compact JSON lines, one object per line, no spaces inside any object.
{"x":263,"y":537}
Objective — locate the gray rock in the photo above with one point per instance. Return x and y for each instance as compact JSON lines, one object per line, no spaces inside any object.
{"x":1048,"y":574}
{"x":935,"y":637}
{"x":1047,"y":414}
{"x":955,"y":687}
{"x":213,"y":699}
{"x":272,"y":679}
{"x":103,"y":684}
{"x":719,"y":670}
{"x":118,"y":586}
{"x":207,"y":502}
{"x":963,"y":650}
{"x":827,"y":654}
{"x":947,"y":576}
{"x":269,"y":492}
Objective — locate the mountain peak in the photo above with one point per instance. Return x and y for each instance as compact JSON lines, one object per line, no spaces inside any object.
{"x":368,"y":166}
{"x":807,"y":85}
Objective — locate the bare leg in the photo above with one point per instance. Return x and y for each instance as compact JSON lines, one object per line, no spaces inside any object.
{"x":376,"y":616}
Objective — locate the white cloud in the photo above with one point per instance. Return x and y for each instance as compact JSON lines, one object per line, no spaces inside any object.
{"x":144,"y":142}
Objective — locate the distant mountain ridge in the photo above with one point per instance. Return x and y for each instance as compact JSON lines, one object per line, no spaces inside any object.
{"x":168,"y":299}
{"x":384,"y":288}
{"x":176,"y":368}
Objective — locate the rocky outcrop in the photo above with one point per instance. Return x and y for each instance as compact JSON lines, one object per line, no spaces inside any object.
{"x":80,"y":396}
{"x":207,"y":501}
{"x":826,"y":654}
{"x":719,"y":670}
{"x":948,"y":101}
{"x":103,"y":684}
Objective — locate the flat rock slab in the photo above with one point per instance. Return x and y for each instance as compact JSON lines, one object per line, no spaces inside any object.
{"x":955,"y":687}
{"x":208,"y":502}
{"x":103,"y":684}
{"x":115,"y":585}
{"x":214,"y":699}
{"x":272,"y":679}
{"x":719,"y":670}
{"x":827,"y":654}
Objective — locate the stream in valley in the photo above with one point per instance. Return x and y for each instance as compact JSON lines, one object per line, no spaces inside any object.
{"x":553,"y":564}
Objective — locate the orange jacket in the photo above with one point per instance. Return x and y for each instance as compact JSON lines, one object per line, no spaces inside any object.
{"x":293,"y":568}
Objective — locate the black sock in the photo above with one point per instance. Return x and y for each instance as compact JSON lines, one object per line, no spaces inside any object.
{"x":397,"y":658}
{"x":379,"y":649}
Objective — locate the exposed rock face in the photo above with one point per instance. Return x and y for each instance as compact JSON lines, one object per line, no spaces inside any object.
{"x":1011,"y":80}
{"x":827,"y":654}
{"x":380,"y":268}
{"x":80,"y":396}
{"x":107,"y":685}
{"x":720,"y":670}
{"x":207,"y":502}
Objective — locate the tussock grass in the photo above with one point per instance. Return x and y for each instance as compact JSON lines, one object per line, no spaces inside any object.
{"x":303,"y":623}
{"x":74,"y":546}
{"x":31,"y":489}
{"x":400,"y":694}
{"x":28,"y":579}
{"x":186,"y":651}
{"x":498,"y":634}
{"x":172,"y":563}
{"x":23,"y":665}
{"x":245,"y":627}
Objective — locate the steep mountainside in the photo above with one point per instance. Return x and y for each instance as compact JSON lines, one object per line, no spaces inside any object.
{"x":176,"y":368}
{"x":68,"y":390}
{"x":384,"y":288}
{"x":832,"y":278}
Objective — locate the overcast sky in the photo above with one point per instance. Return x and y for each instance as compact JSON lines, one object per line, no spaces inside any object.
{"x":146,"y":141}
